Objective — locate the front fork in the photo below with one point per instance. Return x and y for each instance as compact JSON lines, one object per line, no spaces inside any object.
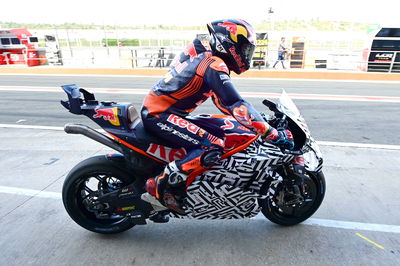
{"x":295,"y":188}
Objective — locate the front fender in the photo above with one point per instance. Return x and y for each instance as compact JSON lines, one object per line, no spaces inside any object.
{"x":313,"y":158}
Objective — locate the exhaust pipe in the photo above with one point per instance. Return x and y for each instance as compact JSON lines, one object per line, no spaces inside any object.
{"x":93,"y":134}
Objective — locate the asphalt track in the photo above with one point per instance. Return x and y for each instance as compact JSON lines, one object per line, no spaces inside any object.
{"x":357,"y":224}
{"x":340,"y":111}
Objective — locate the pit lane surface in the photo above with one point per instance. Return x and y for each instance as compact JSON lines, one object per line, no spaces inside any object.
{"x":362,"y":187}
{"x":329,"y":120}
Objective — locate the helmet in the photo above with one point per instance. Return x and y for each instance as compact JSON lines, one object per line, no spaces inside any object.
{"x":233,"y":40}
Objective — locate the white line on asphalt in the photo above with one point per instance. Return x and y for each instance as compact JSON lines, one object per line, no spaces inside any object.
{"x":319,"y":97}
{"x":348,"y":225}
{"x":324,"y":80}
{"x":359,"y":145}
{"x":235,"y":78}
{"x":31,"y":127}
{"x":312,"y":221}
{"x":29,"y":192}
{"x":83,"y":75}
{"x":385,"y":228}
{"x":322,"y":143}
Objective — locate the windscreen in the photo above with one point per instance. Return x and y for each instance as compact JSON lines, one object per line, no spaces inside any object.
{"x":289,"y":108}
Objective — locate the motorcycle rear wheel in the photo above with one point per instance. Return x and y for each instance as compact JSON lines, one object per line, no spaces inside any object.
{"x":90,"y":177}
{"x":294,"y":215}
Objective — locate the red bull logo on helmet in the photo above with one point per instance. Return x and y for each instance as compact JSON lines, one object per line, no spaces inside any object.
{"x":109,"y":114}
{"x":230,"y":26}
{"x":234,"y":29}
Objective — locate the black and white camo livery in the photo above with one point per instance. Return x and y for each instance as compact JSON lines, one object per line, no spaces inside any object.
{"x":230,"y":190}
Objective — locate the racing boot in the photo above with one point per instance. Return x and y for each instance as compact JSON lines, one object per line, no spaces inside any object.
{"x":169,"y":187}
{"x":161,"y":214}
{"x":164,"y":188}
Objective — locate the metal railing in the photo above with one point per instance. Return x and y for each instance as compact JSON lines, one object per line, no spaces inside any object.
{"x":161,"y":57}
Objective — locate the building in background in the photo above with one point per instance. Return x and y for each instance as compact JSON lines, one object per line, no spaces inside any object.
{"x":383,"y":54}
{"x":18,"y":46}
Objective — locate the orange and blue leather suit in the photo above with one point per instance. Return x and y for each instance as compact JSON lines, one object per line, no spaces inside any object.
{"x":193,"y":78}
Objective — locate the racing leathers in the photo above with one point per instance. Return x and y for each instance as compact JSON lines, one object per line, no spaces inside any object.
{"x":193,"y":78}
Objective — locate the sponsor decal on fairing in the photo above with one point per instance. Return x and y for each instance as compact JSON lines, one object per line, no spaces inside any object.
{"x":108,"y":114}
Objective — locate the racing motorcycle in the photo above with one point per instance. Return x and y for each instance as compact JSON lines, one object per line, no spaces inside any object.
{"x":104,"y":193}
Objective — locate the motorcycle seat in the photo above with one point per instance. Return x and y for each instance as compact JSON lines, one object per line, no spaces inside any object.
{"x":140,"y":135}
{"x":133,"y":116}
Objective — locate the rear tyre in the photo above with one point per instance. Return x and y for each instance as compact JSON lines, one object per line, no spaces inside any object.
{"x":82,"y":186}
{"x":279,"y":213}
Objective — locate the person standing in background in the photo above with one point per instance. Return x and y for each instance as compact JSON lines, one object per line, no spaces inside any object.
{"x":281,"y":53}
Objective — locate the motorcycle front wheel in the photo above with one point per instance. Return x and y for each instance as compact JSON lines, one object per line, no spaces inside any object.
{"x":84,"y":183}
{"x":284,"y":214}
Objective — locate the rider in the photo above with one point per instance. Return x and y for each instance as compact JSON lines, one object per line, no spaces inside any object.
{"x":197,"y":75}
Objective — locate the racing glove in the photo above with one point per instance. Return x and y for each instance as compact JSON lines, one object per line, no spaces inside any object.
{"x":282,"y":138}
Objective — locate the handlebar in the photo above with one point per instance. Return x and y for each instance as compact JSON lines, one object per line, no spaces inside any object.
{"x":271,"y":105}
{"x":280,"y":122}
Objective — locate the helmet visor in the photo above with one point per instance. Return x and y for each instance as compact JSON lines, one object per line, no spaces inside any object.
{"x":248,"y":51}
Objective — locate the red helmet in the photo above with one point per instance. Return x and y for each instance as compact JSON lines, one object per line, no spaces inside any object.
{"x":233,"y":40}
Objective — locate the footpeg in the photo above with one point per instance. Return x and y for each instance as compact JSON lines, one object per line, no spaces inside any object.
{"x":160,"y":217}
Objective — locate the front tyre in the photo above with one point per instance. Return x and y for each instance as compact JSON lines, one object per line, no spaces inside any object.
{"x":84,"y":183}
{"x":276,"y":211}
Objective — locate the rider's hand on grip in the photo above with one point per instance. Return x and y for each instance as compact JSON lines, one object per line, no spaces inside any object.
{"x":282,"y":138}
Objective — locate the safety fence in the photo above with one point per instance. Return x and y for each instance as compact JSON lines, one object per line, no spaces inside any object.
{"x":159,"y":57}
{"x":339,"y":50}
{"x":162,"y":57}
